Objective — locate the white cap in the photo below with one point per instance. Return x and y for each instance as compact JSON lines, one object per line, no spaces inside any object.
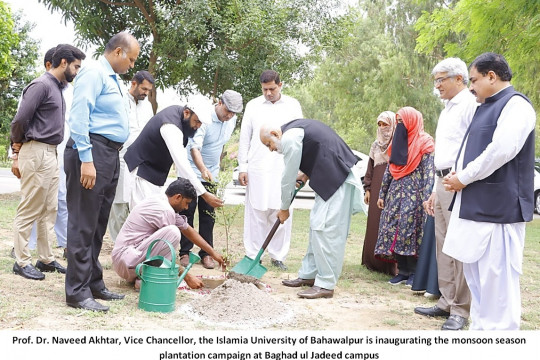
{"x":201,"y":106}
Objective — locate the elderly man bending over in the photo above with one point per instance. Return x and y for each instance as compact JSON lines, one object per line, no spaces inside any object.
{"x":323,"y":157}
{"x":157,"y":218}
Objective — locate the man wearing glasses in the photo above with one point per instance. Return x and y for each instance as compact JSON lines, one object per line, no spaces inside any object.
{"x":451,"y":78}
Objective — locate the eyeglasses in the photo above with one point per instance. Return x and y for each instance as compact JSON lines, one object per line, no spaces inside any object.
{"x":439,"y":81}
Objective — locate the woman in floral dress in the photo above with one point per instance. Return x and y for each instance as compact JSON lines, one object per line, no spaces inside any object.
{"x":407,"y":183}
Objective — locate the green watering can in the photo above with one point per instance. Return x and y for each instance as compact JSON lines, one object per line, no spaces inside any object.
{"x":160,"y":280}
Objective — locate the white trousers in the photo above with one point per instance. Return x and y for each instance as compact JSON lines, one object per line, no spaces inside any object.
{"x":142,"y":189}
{"x":494,"y":280}
{"x":257,"y":225}
{"x":117,"y":218}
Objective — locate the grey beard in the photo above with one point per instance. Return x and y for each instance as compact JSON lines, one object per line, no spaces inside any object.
{"x":279,"y":146}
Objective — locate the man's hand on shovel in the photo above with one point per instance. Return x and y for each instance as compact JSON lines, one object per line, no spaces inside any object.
{"x":283,"y":215}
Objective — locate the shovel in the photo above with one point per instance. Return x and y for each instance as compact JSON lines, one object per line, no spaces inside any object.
{"x":252,"y":267}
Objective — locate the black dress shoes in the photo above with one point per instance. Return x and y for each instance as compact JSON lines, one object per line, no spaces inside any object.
{"x":88,"y":304}
{"x":29,"y":272}
{"x":105,"y":294}
{"x":431,"y":311}
{"x":50,"y":267}
{"x":298,"y":282}
{"x":454,"y":322}
{"x":316,"y":292}
{"x":279,"y":264}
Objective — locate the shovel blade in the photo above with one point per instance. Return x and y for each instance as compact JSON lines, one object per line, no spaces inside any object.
{"x":248,"y":266}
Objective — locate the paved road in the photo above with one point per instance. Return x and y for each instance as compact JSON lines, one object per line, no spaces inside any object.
{"x":8,"y":182}
{"x":234,"y":195}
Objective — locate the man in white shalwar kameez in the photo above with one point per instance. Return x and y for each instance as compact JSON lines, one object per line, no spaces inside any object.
{"x":322,"y":156}
{"x":494,"y":183}
{"x":140,"y":112}
{"x":261,"y":169}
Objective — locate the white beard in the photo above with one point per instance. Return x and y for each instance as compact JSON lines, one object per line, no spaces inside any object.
{"x":279,"y":146}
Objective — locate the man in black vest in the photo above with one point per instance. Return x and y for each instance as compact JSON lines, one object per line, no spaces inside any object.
{"x":161,"y":143}
{"x":494,"y":195}
{"x":323,"y":158}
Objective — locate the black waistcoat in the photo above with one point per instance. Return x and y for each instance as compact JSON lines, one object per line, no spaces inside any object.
{"x":506,"y":196}
{"x":149,"y":151}
{"x":326,"y":159}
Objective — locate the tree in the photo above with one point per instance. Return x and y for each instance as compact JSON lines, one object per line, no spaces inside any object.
{"x":372,"y":68}
{"x":206,"y":45}
{"x":22,"y":56}
{"x":8,"y":39}
{"x":467,"y":28}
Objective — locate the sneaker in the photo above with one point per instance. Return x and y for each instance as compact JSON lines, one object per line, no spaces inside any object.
{"x":431,"y":296}
{"x":410,"y":280}
{"x":398,"y":279}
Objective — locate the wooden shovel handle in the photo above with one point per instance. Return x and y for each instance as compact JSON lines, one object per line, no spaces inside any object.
{"x":276,"y":224}
{"x":270,"y":234}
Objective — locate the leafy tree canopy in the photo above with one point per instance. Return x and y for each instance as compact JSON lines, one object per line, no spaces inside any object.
{"x":372,"y":68}
{"x":207,"y":45}
{"x":22,"y":56}
{"x":8,"y":39}
{"x":467,"y":28}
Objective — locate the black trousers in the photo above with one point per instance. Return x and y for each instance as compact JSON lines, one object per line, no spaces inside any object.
{"x":88,"y":214}
{"x":406,"y":264}
{"x":206,"y":222}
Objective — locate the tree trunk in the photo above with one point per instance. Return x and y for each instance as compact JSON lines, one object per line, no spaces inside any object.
{"x":152,"y":97}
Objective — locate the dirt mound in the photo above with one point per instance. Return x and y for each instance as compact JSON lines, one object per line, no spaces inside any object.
{"x":238,"y":305}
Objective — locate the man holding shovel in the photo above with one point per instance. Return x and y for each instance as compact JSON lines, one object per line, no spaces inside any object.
{"x":323,"y":158}
{"x":157,"y":218}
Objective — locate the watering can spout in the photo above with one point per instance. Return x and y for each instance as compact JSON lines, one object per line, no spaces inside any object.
{"x":193,"y":258}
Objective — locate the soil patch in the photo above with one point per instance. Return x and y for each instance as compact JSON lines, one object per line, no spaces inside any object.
{"x":237,"y":304}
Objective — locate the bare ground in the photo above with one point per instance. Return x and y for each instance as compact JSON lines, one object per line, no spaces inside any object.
{"x":361,"y":301}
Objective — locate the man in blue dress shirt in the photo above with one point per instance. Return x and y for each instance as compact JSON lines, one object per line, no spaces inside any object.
{"x":99,"y":127}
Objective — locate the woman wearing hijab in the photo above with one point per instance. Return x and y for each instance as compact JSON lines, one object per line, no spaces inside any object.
{"x":407,"y":183}
{"x":378,"y":160}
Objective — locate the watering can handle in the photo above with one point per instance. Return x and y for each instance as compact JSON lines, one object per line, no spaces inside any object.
{"x":276,"y":224}
{"x":138,"y":270}
{"x":173,"y":254}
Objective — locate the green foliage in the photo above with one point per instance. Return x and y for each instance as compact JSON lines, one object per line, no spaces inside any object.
{"x":8,"y":39}
{"x":468,"y":28}
{"x":22,"y":56}
{"x":373,"y":69}
{"x":207,"y":45}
